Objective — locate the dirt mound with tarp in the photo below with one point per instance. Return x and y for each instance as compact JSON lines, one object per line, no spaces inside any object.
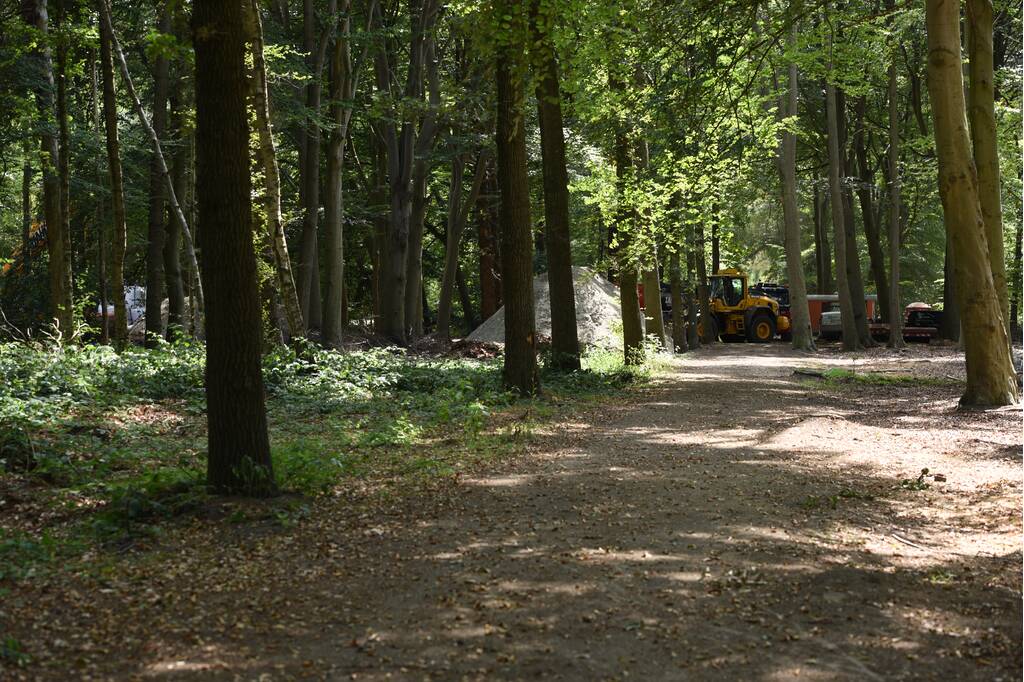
{"x":598,"y":314}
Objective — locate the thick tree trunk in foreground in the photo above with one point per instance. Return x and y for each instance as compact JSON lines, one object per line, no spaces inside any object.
{"x":157,"y":230}
{"x":895,"y":307}
{"x":116,"y":183}
{"x":990,"y":375}
{"x":272,"y":178}
{"x":982,"y":117}
{"x":58,"y":244}
{"x":786,"y":159}
{"x":703,"y":291}
{"x":239,"y":448}
{"x":520,"y":371}
{"x":851,"y":341}
{"x":565,"y":346}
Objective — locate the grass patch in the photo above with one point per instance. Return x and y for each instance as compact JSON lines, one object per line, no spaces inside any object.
{"x":112,"y":446}
{"x":845,"y":376}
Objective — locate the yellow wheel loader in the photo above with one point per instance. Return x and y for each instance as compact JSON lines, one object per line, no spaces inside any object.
{"x":737,"y":315}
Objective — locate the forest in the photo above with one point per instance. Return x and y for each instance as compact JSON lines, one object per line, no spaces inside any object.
{"x":396,"y":339}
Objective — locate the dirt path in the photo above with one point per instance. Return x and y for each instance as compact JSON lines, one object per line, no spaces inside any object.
{"x":728,"y":522}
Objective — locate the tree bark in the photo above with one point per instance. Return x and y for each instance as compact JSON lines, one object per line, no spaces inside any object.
{"x":632,"y":321}
{"x":64,"y":139}
{"x":116,"y":183}
{"x":26,"y":207}
{"x":239,"y":448}
{"x":100,"y":236}
{"x":272,"y":178}
{"x":422,"y":165}
{"x":309,"y":263}
{"x":520,"y":370}
{"x":893,"y":158}
{"x":654,"y":320}
{"x":343,"y":82}
{"x":823,"y":254}
{"x":982,"y":118}
{"x":58,"y":244}
{"x":565,"y":346}
{"x":156,"y":232}
{"x":854,"y":273}
{"x":458,"y":215}
{"x":679,"y":344}
{"x":399,"y":133}
{"x":172,"y":197}
{"x":872,"y":229}
{"x":991,"y":379}
{"x":693,"y":339}
{"x":173,"y":280}
{"x":949,"y":328}
{"x":489,"y":249}
{"x":851,"y":341}
{"x":1018,"y":274}
{"x":786,"y":159}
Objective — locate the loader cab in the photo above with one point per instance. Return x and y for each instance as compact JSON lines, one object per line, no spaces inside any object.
{"x":729,"y":287}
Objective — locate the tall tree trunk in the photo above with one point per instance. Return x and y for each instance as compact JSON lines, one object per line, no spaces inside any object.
{"x":872,"y":229}
{"x":489,"y":249}
{"x":468,"y":316}
{"x":703,"y":290}
{"x":239,"y":448}
{"x":157,"y":230}
{"x":173,"y":280}
{"x":458,"y":215}
{"x":679,"y":344}
{"x":520,"y":371}
{"x":565,"y":346}
{"x":854,"y":272}
{"x":116,"y":183}
{"x":100,"y":236}
{"x":340,"y":92}
{"x":949,"y":328}
{"x":309,"y":171}
{"x":982,"y":117}
{"x":893,"y":158}
{"x":64,"y":149}
{"x":172,"y":197}
{"x":990,"y":375}
{"x":58,"y":244}
{"x":632,"y":321}
{"x":654,"y":319}
{"x":693,"y":305}
{"x":26,"y":207}
{"x":399,"y":132}
{"x":1018,"y":274}
{"x":414,"y":292}
{"x":823,"y":252}
{"x":851,"y":340}
{"x":272,"y":178}
{"x":786,"y":159}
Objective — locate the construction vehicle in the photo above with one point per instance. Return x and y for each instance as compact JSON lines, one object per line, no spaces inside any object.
{"x":737,"y":314}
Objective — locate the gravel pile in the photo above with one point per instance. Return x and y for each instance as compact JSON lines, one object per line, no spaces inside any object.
{"x":598,"y":315}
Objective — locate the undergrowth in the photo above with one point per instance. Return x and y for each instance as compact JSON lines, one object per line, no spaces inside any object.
{"x":112,"y":445}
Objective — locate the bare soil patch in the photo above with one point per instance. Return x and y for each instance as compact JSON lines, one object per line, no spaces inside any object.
{"x":732,"y":520}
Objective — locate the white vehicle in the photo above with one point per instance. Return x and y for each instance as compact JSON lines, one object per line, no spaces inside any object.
{"x":831,"y":325}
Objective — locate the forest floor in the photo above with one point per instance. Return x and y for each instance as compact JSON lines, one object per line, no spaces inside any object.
{"x":729,"y":519}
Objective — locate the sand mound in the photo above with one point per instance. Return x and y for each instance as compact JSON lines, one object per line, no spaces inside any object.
{"x":598,"y":315}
